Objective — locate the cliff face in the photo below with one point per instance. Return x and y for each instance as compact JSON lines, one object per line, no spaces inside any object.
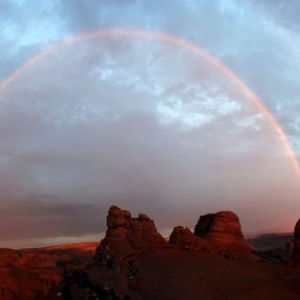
{"x":126,"y":234}
{"x":296,"y":244}
{"x":27,"y":275}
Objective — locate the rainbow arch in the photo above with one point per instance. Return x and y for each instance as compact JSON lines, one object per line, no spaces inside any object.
{"x":173,"y":40}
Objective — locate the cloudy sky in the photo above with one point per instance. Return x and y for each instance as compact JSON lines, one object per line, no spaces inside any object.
{"x":154,"y":120}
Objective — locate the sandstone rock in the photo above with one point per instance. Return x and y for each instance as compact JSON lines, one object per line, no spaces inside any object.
{"x":27,"y":275}
{"x":118,"y":225}
{"x":9,"y":256}
{"x":126,"y":234}
{"x":181,"y":237}
{"x":118,"y":218}
{"x":223,"y":231}
{"x":35,"y":259}
{"x":203,"y":225}
{"x":296,"y":244}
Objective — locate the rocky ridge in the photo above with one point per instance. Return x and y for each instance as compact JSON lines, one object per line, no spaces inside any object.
{"x":31,"y":274}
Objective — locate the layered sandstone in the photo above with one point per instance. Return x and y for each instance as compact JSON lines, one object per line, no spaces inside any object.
{"x":126,"y":234}
{"x":223,"y":231}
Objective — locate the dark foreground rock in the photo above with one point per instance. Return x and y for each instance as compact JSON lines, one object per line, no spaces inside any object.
{"x":296,"y":244}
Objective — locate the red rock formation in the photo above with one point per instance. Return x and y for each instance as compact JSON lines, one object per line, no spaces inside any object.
{"x":223,"y":230}
{"x":203,"y":224}
{"x":27,"y":275}
{"x":126,"y":234}
{"x":183,"y":238}
{"x":296,"y":244}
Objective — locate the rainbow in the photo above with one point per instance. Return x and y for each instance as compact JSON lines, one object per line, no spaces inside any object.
{"x":173,"y":40}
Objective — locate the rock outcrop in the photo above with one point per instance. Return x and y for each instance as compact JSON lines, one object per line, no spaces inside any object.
{"x":296,"y":244}
{"x":203,"y":225}
{"x":183,"y":238}
{"x":126,"y":234}
{"x":219,"y":232}
{"x":223,"y":231}
{"x":27,"y":275}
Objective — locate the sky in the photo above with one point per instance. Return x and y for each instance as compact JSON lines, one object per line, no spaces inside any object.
{"x":170,"y":108}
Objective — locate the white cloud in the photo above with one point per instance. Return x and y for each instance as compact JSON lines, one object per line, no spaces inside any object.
{"x":182,"y":115}
{"x":229,"y":107}
{"x":250,"y":121}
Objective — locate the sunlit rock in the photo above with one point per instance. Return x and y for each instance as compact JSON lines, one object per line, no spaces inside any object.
{"x":126,"y":234}
{"x":223,"y":230}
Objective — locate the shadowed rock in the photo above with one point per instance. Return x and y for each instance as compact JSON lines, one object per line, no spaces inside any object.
{"x":296,"y":245}
{"x":126,"y":234}
{"x":182,"y":237}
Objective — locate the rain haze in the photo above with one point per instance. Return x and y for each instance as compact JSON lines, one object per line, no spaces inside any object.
{"x":174,"y":109}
